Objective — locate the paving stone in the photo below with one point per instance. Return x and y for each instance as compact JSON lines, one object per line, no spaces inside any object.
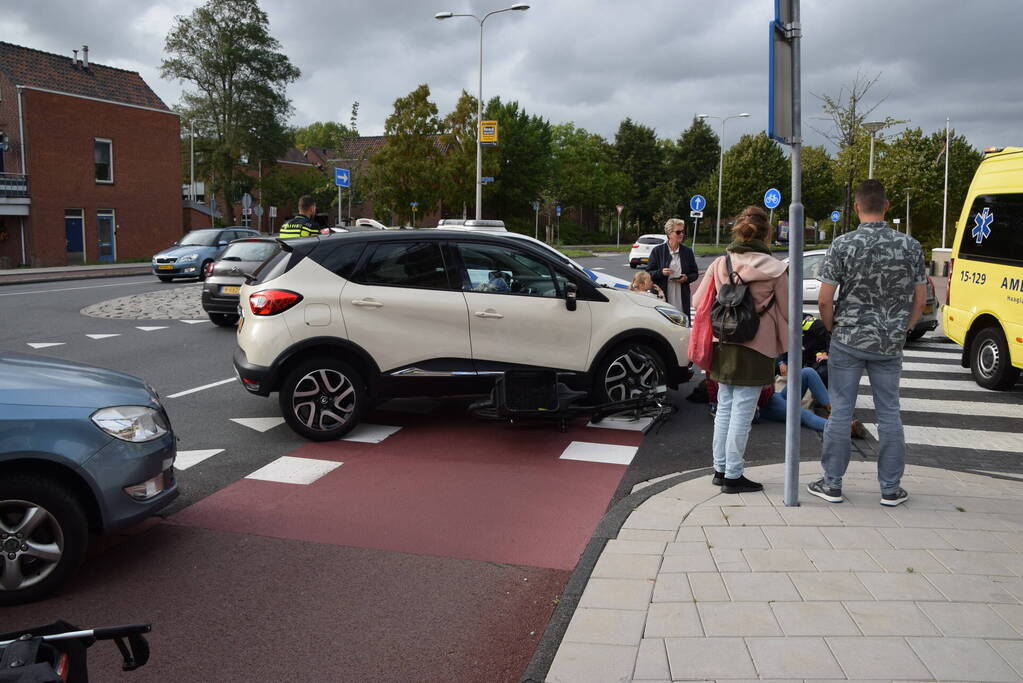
{"x":772,"y":560}
{"x":910,"y":561}
{"x":968,"y":620}
{"x":961,"y":659}
{"x":578,"y":662}
{"x":795,"y":537}
{"x":606,"y":627}
{"x":755,"y":499}
{"x":972,"y":588}
{"x":738,"y":619}
{"x":659,"y":505}
{"x":976,"y":521}
{"x":673,"y":619}
{"x":759,"y":586}
{"x":890,"y":619}
{"x":672,"y":588}
{"x":752,"y":516}
{"x":1011,"y":651}
{"x":809,"y":516}
{"x":729,"y":560}
{"x":793,"y":657}
{"x":736,"y":537}
{"x":830,"y":586}
{"x":709,"y":658}
{"x":1013,"y":539}
{"x":706,"y":516}
{"x":919,"y":519}
{"x":913,"y":539}
{"x":902,"y":586}
{"x":877,"y":657}
{"x":1013,"y":614}
{"x":973,"y":540}
{"x":842,"y":560}
{"x":1013,"y":561}
{"x":696,"y":561}
{"x":685,"y":547}
{"x":688,"y":534}
{"x":972,"y":562}
{"x":855,"y":538}
{"x":656,"y":535}
{"x":650,"y":520}
{"x":652,"y":660}
{"x":621,"y":566}
{"x":617,"y":545}
{"x":707,"y":587}
{"x":853,"y":516}
{"x":814,"y":619}
{"x":631,"y":594}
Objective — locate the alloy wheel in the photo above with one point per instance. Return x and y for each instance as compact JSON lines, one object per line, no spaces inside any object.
{"x":31,"y":542}
{"x":631,"y":374}
{"x":324,"y":399}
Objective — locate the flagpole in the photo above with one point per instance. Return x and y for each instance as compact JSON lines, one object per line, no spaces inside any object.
{"x":944,"y":209}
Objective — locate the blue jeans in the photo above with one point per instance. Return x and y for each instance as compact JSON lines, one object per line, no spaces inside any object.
{"x":845,"y":367}
{"x":776,"y":410}
{"x":732,"y":421}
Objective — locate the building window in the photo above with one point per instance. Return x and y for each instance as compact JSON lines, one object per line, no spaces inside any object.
{"x":104,"y":160}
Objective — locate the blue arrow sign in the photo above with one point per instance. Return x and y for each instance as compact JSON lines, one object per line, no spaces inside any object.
{"x":836,"y":216}
{"x":557,"y":209}
{"x":697,"y":202}
{"x":413,"y":204}
{"x":342,"y":177}
{"x":772,"y":198}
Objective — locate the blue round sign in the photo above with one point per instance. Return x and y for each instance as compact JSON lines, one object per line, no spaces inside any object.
{"x":836,"y":216}
{"x":697,"y":203}
{"x":557,"y":209}
{"x":772,"y":198}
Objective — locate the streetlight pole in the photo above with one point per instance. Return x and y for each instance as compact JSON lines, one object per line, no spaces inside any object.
{"x":518,"y":7}
{"x":721,"y":162}
{"x":872,"y":127}
{"x":191,"y":163}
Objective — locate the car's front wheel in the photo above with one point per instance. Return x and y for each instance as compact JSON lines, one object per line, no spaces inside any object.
{"x":223,"y":319}
{"x":322,"y":399}
{"x":629,"y":371}
{"x":989,"y":360}
{"x":204,"y":269}
{"x":43,"y":537}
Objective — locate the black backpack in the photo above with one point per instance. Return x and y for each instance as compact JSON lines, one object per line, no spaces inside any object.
{"x":734,"y":317}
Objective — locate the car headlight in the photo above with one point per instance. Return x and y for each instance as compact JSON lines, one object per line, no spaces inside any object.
{"x":188,"y":257}
{"x":672,"y":314}
{"x":131,"y":423}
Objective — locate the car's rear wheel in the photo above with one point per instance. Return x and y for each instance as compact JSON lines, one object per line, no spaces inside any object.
{"x":989,"y":360}
{"x":322,"y":399}
{"x":916,"y":334}
{"x":223,"y":319}
{"x":629,"y":371}
{"x":165,"y":278}
{"x":43,"y":537}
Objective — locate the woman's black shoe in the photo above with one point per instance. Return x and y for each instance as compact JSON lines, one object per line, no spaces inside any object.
{"x":740,"y":485}
{"x":719,"y":478}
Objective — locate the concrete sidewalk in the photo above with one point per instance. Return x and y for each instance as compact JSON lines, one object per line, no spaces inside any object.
{"x":17,"y":276}
{"x":699,"y":585}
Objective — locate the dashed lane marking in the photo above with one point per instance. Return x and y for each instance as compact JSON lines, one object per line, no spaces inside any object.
{"x":260,"y":424}
{"x":186,"y":392}
{"x":194,"y":322}
{"x":290,"y":470}
{"x":599,"y":452}
{"x":367,"y":433}
{"x":948,"y":355}
{"x":102,"y":336}
{"x":937,"y":385}
{"x":150,"y":328}
{"x":186,"y":459}
{"x":70,"y":289}
{"x":44,"y":345}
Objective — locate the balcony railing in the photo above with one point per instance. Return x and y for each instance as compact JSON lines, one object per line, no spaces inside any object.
{"x":13,"y":185}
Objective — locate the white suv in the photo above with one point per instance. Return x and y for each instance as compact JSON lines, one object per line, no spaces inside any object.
{"x":338,"y":322}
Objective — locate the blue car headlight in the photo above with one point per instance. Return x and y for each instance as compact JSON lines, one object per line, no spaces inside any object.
{"x":131,"y":423}
{"x":188,"y":257}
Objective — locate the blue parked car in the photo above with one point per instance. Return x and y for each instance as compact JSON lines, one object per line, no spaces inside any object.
{"x":194,"y":254}
{"x":82,"y":450}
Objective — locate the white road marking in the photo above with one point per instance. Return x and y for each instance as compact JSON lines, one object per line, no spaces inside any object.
{"x":913,"y":353}
{"x":949,"y":408}
{"x":599,"y":452}
{"x":150,"y":328}
{"x":260,"y":424}
{"x":598,"y":268}
{"x":70,"y":289}
{"x":366,"y":433}
{"x":937,"y":346}
{"x":193,"y":322}
{"x":186,"y":459}
{"x":44,"y":345}
{"x":291,"y":470}
{"x":934,"y":367}
{"x":622,"y":422}
{"x":102,"y":336}
{"x":186,"y":392}
{"x":984,"y":440}
{"x":936,"y":384}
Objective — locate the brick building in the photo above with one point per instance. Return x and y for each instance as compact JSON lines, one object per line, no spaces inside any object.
{"x":91,"y":170}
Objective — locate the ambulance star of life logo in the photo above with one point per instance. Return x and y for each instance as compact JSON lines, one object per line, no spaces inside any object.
{"x":982,"y":225}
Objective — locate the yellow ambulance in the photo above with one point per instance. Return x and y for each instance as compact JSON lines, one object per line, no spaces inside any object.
{"x":984,"y":304}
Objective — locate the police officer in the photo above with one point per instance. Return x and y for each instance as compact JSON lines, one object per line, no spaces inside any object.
{"x":302,"y":224}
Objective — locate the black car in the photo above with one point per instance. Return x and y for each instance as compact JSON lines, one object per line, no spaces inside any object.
{"x":225,"y":276}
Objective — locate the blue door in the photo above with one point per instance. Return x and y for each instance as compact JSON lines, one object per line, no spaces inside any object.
{"x":107,"y":233}
{"x":74,"y":239}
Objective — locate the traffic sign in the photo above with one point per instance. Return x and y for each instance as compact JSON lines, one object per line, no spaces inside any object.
{"x":259,"y":210}
{"x":246,"y":211}
{"x":696,"y":214}
{"x":246,"y":200}
{"x":342,"y":177}
{"x":697,"y":203}
{"x":557,"y":209}
{"x":536,"y":205}
{"x":772,"y":198}
{"x":414,"y":205}
{"x":488,"y":133}
{"x":487,"y":179}
{"x":780,"y":85}
{"x":836,"y":216}
{"x":620,"y":207}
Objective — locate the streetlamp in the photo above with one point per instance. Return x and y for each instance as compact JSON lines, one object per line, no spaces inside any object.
{"x":721,"y":162}
{"x":518,"y":7}
{"x":872,"y":127}
{"x":909,"y":231}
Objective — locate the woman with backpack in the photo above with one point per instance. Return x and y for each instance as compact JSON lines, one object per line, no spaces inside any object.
{"x":747,"y":316}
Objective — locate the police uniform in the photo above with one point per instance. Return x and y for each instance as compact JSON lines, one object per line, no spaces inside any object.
{"x":299,"y":226}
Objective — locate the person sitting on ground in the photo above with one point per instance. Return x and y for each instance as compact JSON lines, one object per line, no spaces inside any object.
{"x":776,"y":408}
{"x":645,"y":284}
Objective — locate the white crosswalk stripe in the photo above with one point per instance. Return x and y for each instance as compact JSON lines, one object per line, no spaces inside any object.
{"x":914,"y":353}
{"x":938,"y":407}
{"x":936,"y":384}
{"x":984,"y":440}
{"x":933,"y":367}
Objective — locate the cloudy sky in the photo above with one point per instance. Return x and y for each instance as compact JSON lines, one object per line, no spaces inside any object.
{"x":594,"y":62}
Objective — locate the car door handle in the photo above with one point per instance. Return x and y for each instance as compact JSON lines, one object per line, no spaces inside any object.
{"x":487,"y":314}
{"x":366,"y":302}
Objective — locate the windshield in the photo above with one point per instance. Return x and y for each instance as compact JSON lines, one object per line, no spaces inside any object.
{"x":249,"y":251}
{"x":199,"y":238}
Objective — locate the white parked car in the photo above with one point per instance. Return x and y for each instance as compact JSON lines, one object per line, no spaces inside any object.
{"x":639,"y":255}
{"x":336,"y":323}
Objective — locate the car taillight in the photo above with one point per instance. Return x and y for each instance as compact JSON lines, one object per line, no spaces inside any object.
{"x":636,"y":245}
{"x":207,"y":269}
{"x":272,"y":301}
{"x":948,"y":285}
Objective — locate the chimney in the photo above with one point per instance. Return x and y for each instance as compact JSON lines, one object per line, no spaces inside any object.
{"x":74,"y":60}
{"x":85,"y":56}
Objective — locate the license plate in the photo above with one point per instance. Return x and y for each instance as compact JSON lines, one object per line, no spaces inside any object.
{"x":230,"y":289}
{"x":644,"y":260}
{"x":928,"y":309}
{"x":167,"y":267}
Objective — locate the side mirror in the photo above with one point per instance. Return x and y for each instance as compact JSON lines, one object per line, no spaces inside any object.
{"x":222,"y":243}
{"x":571,"y":292}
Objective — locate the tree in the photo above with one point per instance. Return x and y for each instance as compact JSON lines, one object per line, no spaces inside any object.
{"x":520,"y":163}
{"x":641,"y":158}
{"x":821,"y":192}
{"x":694,"y":157}
{"x":404,"y":170}
{"x":237,"y":100}
{"x":458,"y":191}
{"x":584,"y":174}
{"x":281,"y":187}
{"x":325,"y":134}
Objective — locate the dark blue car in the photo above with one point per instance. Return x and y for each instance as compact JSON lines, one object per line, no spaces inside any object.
{"x":82,"y":450}
{"x":192,"y":255}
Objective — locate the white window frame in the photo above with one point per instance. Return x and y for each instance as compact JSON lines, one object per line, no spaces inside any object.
{"x":110,"y":143}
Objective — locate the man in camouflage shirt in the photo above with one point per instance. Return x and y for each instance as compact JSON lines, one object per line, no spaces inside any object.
{"x":879,"y":277}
